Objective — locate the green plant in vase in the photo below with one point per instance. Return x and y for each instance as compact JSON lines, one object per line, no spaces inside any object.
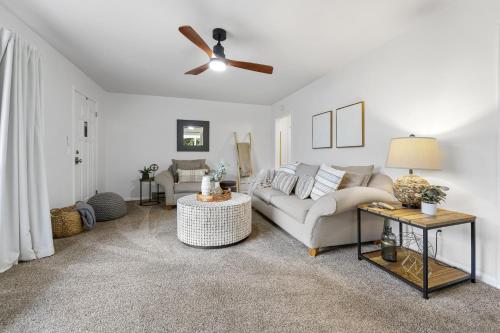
{"x":145,"y":173}
{"x":431,"y":196}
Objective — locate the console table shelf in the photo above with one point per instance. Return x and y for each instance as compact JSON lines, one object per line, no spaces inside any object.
{"x":442,"y":275}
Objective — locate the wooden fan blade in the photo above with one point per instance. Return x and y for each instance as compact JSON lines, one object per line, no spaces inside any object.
{"x":198,"y":70}
{"x":250,"y":66}
{"x":193,"y":36}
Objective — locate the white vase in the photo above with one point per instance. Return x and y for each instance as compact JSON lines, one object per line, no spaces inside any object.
{"x":429,"y":208}
{"x":205,"y":185}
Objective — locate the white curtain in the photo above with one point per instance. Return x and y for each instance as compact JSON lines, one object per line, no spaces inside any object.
{"x":25,"y":229}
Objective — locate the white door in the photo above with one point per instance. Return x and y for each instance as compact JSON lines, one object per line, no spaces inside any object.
{"x":85,"y":146}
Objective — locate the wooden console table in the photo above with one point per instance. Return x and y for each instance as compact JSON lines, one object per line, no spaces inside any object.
{"x":443,"y":276}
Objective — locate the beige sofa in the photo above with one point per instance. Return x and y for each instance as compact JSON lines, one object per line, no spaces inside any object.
{"x":329,"y":221}
{"x":175,"y":190}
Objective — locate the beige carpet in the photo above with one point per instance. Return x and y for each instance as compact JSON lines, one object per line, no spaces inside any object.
{"x":133,"y":275}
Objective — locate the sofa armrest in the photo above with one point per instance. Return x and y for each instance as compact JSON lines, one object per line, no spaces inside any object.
{"x":166,"y":180}
{"x":344,"y":200}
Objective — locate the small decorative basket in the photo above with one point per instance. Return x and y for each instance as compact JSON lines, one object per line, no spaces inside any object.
{"x":226,"y":195}
{"x":66,"y":222}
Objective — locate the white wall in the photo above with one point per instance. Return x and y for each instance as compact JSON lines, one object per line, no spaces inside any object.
{"x":141,"y":130}
{"x":59,"y":78}
{"x":438,"y":80}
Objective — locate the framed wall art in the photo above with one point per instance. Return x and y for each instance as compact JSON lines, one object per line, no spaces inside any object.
{"x":350,"y":126}
{"x":322,"y":130}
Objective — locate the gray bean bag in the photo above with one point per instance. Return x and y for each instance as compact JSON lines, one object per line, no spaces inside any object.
{"x":108,"y":206}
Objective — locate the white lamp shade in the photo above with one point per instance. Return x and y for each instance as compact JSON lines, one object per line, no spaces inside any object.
{"x":414,"y":153}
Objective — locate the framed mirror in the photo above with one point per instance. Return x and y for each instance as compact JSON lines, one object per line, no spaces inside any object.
{"x":322,"y":130}
{"x":350,"y":125}
{"x":193,"y":135}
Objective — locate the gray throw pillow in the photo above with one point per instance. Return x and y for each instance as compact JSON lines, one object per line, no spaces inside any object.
{"x":304,"y":187}
{"x":365,"y":170}
{"x":306,"y":170}
{"x":284,"y":182}
{"x":186,"y":165}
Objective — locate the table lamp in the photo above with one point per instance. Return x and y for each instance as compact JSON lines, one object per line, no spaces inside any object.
{"x":412,"y":153}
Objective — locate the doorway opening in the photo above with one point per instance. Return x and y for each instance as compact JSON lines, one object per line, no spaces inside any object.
{"x":283,"y":140}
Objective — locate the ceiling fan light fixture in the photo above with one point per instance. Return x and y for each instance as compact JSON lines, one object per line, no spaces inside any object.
{"x":217,"y":64}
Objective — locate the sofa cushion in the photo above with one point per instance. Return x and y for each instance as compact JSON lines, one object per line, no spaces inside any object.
{"x":266,"y":193}
{"x":352,"y":179}
{"x":327,"y":180}
{"x":186,"y":165}
{"x":194,"y":187}
{"x":365,"y":170}
{"x":288,"y":168}
{"x":304,"y":186}
{"x":306,"y":170}
{"x":293,"y":206}
{"x":284,"y":182}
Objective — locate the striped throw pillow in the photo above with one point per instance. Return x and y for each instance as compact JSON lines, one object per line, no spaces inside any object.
{"x":284,"y":182}
{"x":327,"y":180}
{"x":288,"y":168}
{"x":304,"y":187}
{"x":191,"y":176}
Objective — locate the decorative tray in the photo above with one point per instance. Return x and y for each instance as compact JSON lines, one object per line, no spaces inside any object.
{"x":226,"y":195}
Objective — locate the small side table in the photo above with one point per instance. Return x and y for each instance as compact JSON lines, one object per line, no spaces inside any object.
{"x":443,"y":276}
{"x":149,"y":201}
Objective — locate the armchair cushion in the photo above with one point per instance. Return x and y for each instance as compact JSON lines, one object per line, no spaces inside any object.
{"x":186,"y":165}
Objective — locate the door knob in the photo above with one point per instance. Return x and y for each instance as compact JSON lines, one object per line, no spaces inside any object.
{"x":78,"y":160}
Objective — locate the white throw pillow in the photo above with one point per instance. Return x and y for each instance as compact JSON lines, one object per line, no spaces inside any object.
{"x":191,"y":176}
{"x":327,"y":180}
{"x":288,"y":168}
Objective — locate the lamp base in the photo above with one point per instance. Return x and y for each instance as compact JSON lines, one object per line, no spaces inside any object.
{"x":407,"y":190}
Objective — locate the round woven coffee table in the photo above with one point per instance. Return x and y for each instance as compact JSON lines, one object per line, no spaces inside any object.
{"x":214,"y":224}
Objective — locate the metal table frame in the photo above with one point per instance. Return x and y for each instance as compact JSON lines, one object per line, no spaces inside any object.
{"x":150,"y":201}
{"x":425,"y":289}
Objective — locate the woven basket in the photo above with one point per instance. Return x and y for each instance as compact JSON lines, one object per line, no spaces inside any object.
{"x":66,"y":222}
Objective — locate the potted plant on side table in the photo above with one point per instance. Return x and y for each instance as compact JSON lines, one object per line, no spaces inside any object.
{"x":145,"y":173}
{"x":431,"y":196}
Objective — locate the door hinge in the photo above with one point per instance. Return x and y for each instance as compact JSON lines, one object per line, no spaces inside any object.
{"x":96,"y":114}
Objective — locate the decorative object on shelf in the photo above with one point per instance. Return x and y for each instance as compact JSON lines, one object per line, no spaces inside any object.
{"x":145,"y":173}
{"x":205,"y":185}
{"x":412,"y":263}
{"x":224,"y":195}
{"x":193,"y":135}
{"x":322,"y":130}
{"x":412,"y":153}
{"x":154,"y":167}
{"x":431,"y":196}
{"x":350,"y":126}
{"x":388,"y":243}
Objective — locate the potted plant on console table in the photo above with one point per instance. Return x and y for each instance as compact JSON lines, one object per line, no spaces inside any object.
{"x":431,"y":196}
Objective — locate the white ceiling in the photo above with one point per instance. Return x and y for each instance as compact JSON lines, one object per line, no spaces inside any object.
{"x":133,"y":46}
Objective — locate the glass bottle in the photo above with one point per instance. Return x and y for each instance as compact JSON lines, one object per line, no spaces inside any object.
{"x":389,"y":244}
